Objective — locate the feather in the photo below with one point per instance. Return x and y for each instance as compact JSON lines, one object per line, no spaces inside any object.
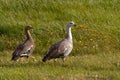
{"x":25,"y":48}
{"x":62,"y":48}
{"x":27,"y":52}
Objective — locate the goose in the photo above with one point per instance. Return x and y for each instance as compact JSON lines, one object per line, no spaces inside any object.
{"x":62,"y":48}
{"x":26,"y":48}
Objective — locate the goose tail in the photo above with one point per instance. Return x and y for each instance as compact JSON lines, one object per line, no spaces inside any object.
{"x":44,"y":59}
{"x":15,"y":58}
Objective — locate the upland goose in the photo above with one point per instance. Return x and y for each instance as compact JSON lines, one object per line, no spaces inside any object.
{"x":25,"y":48}
{"x":62,"y":48}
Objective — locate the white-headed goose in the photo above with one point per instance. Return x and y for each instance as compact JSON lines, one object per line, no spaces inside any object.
{"x":62,"y":48}
{"x":25,"y":48}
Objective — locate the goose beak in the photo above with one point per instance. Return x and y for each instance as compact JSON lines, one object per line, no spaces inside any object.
{"x":31,"y":27}
{"x":74,"y":25}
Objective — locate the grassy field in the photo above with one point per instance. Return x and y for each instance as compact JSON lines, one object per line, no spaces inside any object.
{"x":96,"y":53}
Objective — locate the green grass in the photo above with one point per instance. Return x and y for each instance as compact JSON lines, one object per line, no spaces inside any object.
{"x":96,"y":38}
{"x":87,"y":67}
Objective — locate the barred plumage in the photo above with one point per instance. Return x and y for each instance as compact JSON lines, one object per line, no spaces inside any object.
{"x":25,"y":48}
{"x":62,"y":48}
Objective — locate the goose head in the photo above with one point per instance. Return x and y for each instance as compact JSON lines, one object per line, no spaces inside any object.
{"x":28,"y":27}
{"x":70,"y":24}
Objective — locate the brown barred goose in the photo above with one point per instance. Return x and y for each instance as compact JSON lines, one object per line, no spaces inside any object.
{"x":25,"y":48}
{"x":62,"y":48}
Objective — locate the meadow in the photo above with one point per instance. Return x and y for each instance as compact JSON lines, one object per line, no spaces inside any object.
{"x":96,"y":39}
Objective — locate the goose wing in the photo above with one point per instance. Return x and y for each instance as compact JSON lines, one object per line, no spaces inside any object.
{"x":57,"y":50}
{"x":22,"y":50}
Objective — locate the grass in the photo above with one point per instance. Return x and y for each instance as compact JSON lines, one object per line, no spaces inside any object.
{"x":96,"y":38}
{"x":86,"y":67}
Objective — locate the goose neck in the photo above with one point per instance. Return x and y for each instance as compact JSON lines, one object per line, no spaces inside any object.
{"x":69,"y":34}
{"x":28,"y":35}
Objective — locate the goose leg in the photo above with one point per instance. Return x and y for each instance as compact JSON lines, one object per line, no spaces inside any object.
{"x":63,"y":59}
{"x":27,"y":57}
{"x":55,"y":60}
